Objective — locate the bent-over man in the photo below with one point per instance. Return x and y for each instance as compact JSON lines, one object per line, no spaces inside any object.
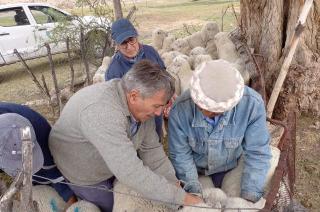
{"x":213,"y":124}
{"x":107,"y":131}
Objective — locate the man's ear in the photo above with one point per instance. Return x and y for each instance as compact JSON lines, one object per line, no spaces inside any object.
{"x":133,"y":96}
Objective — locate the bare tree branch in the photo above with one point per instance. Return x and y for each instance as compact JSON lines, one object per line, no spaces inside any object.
{"x":33,"y":77}
{"x":54,"y":77}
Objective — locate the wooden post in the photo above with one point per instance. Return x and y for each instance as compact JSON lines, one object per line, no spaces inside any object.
{"x":287,"y":61}
{"x":26,"y":203}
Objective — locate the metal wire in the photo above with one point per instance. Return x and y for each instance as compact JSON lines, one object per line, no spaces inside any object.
{"x":104,"y":188}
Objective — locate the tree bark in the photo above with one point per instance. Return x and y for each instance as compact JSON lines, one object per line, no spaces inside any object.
{"x":268,"y":27}
{"x":117,"y":9}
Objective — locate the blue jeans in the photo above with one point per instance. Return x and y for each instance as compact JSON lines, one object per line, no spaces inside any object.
{"x":101,"y":198}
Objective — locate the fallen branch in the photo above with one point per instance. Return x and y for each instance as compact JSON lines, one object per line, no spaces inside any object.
{"x":287,"y":61}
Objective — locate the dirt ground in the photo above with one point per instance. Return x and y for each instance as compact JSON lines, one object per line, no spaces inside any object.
{"x":307,"y":188}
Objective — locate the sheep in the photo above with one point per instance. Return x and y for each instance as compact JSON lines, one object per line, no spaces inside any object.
{"x":83,"y":206}
{"x":209,"y":30}
{"x":47,"y":199}
{"x":181,"y":69}
{"x":167,"y":43}
{"x":195,"y":52}
{"x":227,"y":51}
{"x":232,"y":180}
{"x":128,"y":200}
{"x":168,"y":57}
{"x":211,"y":49}
{"x":100,"y":73}
{"x":225,"y":47}
{"x":158,"y":36}
{"x":233,"y":203}
{"x":201,"y":59}
{"x":181,"y":45}
{"x":195,"y":40}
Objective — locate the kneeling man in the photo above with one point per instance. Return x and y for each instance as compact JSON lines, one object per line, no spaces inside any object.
{"x":213,"y":124}
{"x":107,"y":131}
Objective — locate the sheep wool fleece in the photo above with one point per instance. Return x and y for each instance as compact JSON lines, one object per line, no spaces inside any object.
{"x":91,"y":142}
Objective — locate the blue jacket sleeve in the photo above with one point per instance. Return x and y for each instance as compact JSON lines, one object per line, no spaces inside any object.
{"x":257,"y":155}
{"x":180,"y":154}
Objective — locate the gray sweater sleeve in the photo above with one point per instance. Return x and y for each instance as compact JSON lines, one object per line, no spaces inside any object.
{"x":104,"y":126}
{"x":152,"y":154}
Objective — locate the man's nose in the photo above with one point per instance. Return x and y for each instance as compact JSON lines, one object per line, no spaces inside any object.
{"x":158,"y":111}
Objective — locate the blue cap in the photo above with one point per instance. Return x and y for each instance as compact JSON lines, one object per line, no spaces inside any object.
{"x":11,"y":144}
{"x":122,"y":29}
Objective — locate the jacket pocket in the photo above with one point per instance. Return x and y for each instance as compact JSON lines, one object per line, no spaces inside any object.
{"x":234,"y":148}
{"x":198,"y":146}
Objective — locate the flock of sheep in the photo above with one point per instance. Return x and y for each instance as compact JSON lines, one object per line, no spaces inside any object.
{"x":181,"y":57}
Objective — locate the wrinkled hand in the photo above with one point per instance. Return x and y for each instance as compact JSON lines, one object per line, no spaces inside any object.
{"x":168,"y":106}
{"x":191,"y":199}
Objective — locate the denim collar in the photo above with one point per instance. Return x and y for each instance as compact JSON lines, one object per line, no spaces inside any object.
{"x":139,"y":56}
{"x":198,"y":120}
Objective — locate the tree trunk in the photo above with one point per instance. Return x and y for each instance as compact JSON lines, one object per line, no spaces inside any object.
{"x":269,"y":26}
{"x":117,"y":9}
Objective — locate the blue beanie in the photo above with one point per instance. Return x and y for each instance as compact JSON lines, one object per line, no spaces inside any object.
{"x":122,"y":29}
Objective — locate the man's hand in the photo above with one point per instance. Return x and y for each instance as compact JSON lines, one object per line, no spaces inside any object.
{"x":190,"y":199}
{"x":71,"y":200}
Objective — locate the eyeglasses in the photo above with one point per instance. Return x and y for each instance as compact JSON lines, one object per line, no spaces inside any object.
{"x":131,"y":41}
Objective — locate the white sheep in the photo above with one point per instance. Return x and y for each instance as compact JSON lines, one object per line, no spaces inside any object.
{"x":125,"y":199}
{"x":47,"y":199}
{"x":180,"y":68}
{"x":232,"y":180}
{"x":201,"y":59}
{"x":227,"y":51}
{"x":209,"y":30}
{"x":167,"y":43}
{"x":195,"y":52}
{"x":211,"y":49}
{"x":195,"y":40}
{"x":158,"y":36}
{"x":181,"y":45}
{"x":168,"y":57}
{"x":83,"y":206}
{"x":225,"y":47}
{"x":233,"y":203}
{"x":100,"y":73}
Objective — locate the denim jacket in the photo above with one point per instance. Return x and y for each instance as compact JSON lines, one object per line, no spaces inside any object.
{"x":197,"y":147}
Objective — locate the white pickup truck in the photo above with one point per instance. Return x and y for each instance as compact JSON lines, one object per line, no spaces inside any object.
{"x":27,"y":26}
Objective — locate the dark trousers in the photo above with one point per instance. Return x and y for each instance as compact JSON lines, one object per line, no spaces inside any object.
{"x":217,"y":178}
{"x":101,"y":198}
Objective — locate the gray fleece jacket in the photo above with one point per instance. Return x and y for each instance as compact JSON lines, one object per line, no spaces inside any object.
{"x":91,"y":142}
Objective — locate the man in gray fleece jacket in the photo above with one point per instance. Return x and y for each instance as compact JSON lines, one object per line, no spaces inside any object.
{"x":107,"y":131}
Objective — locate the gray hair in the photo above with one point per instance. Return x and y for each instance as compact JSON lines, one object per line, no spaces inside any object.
{"x":148,"y":78}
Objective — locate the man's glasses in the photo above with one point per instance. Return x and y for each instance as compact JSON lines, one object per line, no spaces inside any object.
{"x":130,"y":41}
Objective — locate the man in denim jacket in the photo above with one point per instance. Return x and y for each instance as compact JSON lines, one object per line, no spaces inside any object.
{"x":213,"y":124}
